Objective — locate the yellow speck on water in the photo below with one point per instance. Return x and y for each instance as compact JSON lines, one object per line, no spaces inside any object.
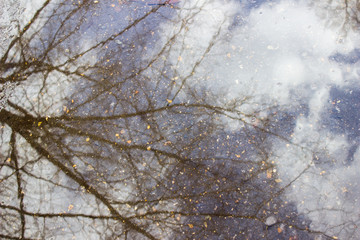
{"x":90,"y":168}
{"x":87,"y":139}
{"x":269,"y":173}
{"x":70,"y":207}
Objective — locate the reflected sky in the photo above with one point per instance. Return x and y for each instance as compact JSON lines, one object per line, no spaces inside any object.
{"x":180,"y":120}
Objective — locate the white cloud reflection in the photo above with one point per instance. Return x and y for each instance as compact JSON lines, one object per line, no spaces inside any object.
{"x":281,"y":54}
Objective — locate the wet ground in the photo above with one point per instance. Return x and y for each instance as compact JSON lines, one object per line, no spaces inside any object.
{"x":180,"y":120}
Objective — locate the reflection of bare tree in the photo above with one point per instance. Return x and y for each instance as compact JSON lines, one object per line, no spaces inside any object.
{"x":344,"y":14}
{"x":92,"y":145}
